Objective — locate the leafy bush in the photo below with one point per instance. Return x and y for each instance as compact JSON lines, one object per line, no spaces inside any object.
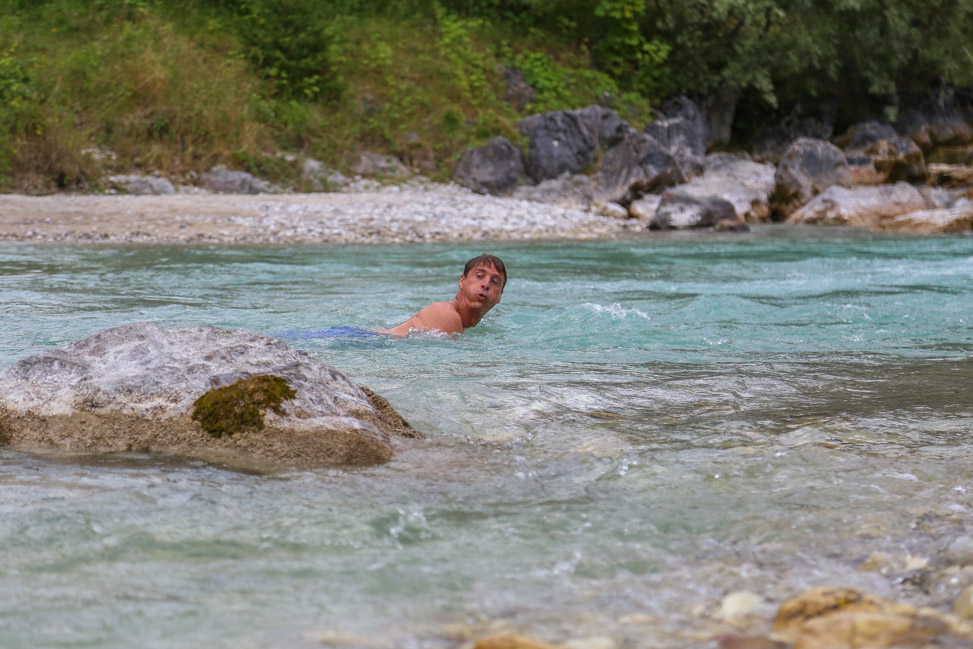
{"x":291,"y":43}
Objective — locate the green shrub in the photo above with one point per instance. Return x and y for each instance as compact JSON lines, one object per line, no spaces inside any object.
{"x":291,"y":43}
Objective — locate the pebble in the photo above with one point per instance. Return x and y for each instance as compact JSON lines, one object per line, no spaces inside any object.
{"x":960,"y":551}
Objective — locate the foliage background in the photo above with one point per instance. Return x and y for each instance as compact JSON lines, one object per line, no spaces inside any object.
{"x":89,"y":87}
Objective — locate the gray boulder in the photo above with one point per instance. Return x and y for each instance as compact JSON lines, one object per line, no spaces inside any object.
{"x":747,"y":185}
{"x":135,"y":388}
{"x":807,"y":168}
{"x":559,"y":142}
{"x":221,"y":180}
{"x":378,"y":164}
{"x":322,"y":178}
{"x":497,"y":167}
{"x":637,"y":165}
{"x":607,"y":125}
{"x":877,"y":155}
{"x":142,"y":185}
{"x":680,"y":212}
{"x":680,"y":124}
{"x":862,"y":206}
{"x":570,"y":191}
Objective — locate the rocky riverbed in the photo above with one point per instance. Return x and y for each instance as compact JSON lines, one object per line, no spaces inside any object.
{"x":416,"y":211}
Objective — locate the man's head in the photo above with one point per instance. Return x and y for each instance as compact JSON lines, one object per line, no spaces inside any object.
{"x":487,"y":260}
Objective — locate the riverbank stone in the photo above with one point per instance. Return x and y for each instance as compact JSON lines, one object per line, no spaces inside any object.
{"x":681,"y":211}
{"x":559,"y":142}
{"x":137,"y":388}
{"x":637,"y":165}
{"x":807,"y":168}
{"x":495,"y":168}
{"x":864,"y":206}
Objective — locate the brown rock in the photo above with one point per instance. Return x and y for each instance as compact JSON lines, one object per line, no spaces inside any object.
{"x":509,"y":641}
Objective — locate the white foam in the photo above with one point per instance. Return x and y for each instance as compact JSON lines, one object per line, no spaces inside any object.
{"x":616,"y":311}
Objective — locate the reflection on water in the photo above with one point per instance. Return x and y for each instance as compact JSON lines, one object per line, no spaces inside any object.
{"x":639,"y":428}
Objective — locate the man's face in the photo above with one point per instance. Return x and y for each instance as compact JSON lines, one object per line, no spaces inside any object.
{"x":482,"y":286}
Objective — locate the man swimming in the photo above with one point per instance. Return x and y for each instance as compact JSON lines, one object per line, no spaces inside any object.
{"x":480,"y":288}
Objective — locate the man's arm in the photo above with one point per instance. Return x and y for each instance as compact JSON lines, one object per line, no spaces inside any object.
{"x":439,"y":316}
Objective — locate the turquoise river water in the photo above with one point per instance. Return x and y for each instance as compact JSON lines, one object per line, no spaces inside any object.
{"x":640,"y":427}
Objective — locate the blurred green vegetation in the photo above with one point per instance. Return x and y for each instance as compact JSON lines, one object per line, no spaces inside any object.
{"x":93,"y":86}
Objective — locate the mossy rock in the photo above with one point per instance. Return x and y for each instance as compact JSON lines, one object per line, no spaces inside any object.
{"x":241,"y":406}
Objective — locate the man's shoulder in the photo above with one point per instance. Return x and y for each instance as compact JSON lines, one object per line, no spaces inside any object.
{"x":441,"y":316}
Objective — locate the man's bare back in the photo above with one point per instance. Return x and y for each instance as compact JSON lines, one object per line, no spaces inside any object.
{"x":480,"y":289}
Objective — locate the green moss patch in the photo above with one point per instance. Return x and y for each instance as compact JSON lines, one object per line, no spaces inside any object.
{"x":241,"y":406}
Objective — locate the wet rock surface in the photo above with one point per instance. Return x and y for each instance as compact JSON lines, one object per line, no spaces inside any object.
{"x":133,"y":388}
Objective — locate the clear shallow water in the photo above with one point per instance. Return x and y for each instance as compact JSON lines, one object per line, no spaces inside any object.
{"x":637,"y":429}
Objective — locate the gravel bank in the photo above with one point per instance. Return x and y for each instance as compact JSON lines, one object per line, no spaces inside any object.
{"x":413,"y":213}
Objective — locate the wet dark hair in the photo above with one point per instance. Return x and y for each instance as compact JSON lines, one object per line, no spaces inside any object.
{"x":486,"y":260}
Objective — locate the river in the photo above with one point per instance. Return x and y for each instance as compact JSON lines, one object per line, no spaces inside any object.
{"x":641,"y":426}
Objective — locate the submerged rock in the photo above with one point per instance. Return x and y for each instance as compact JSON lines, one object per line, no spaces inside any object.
{"x":136,"y":388}
{"x":846,"y":618}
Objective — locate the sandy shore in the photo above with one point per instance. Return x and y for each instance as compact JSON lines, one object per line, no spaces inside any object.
{"x":390,"y":214}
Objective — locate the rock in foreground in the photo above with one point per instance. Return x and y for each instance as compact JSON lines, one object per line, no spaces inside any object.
{"x":134,"y":387}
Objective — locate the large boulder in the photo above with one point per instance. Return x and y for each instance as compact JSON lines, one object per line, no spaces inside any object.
{"x":807,"y":168}
{"x":683,"y":129}
{"x":681,"y":212}
{"x":143,"y":388}
{"x":606,"y":125}
{"x":496,"y":168}
{"x":863,"y":206}
{"x":559,"y":142}
{"x":747,"y":185}
{"x":876,"y":154}
{"x":221,"y":180}
{"x":637,"y":165}
{"x":680,"y":124}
